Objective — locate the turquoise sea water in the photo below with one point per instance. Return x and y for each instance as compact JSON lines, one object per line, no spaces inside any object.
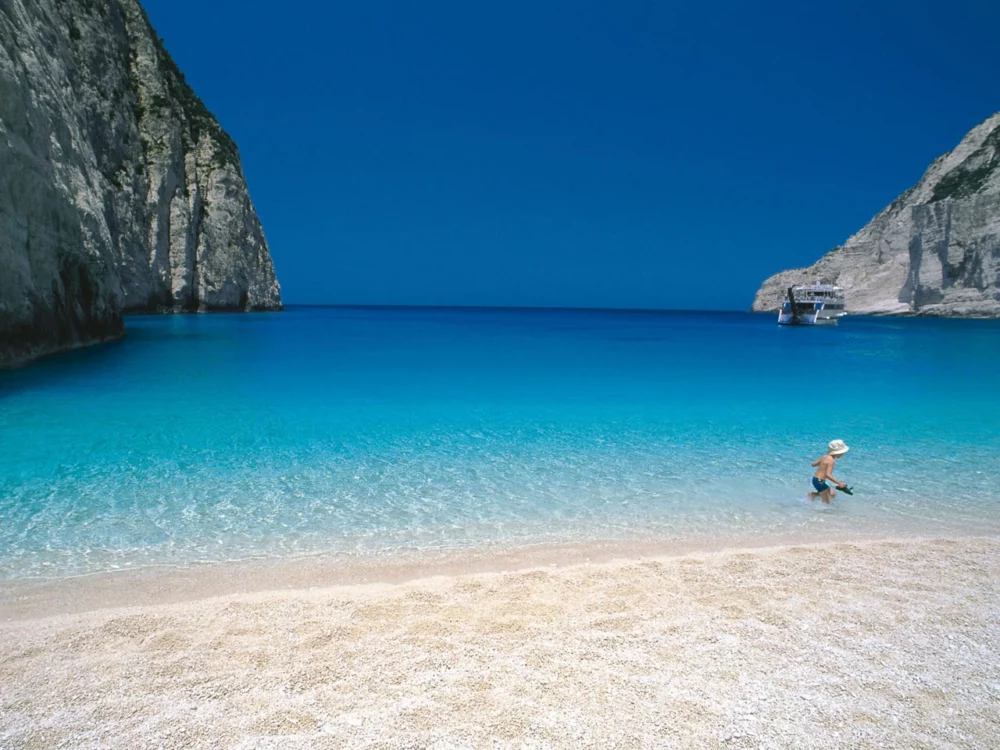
{"x":369,"y":431}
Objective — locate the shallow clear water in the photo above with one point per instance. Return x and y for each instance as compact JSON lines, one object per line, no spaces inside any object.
{"x":375,"y":430}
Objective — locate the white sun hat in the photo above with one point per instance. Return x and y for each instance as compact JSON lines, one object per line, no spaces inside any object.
{"x":838,"y":448}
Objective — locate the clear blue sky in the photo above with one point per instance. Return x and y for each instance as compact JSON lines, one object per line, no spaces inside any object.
{"x":612,"y":154}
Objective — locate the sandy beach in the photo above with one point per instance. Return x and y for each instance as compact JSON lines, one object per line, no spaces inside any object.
{"x":888,"y":643}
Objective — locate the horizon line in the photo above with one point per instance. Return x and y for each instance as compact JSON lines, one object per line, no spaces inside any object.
{"x":536,"y":308}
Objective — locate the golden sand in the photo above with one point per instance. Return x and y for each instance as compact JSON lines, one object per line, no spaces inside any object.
{"x":892,"y":643}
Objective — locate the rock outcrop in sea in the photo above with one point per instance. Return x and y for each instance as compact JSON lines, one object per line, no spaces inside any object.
{"x":935,"y":250}
{"x":119,"y":191}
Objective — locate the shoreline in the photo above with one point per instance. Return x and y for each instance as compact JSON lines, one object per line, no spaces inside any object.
{"x":838,"y":644}
{"x":165,"y":584}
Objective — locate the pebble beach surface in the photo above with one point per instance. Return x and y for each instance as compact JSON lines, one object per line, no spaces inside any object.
{"x":889,"y":643}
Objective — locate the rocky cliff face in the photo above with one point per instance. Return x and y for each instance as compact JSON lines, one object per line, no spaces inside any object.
{"x":119,"y":191}
{"x":934,"y":251}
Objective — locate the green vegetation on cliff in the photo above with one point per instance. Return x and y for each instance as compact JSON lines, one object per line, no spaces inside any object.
{"x":971,"y":176}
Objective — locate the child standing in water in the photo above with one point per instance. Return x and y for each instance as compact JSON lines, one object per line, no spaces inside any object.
{"x":824,"y":471}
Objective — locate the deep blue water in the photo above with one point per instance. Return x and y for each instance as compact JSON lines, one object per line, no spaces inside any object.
{"x":374,"y":430}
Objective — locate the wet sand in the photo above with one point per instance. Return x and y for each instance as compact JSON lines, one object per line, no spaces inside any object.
{"x":893,"y":643}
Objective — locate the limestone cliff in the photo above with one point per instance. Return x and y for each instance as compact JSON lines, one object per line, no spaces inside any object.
{"x":119,"y":191}
{"x":934,"y":251}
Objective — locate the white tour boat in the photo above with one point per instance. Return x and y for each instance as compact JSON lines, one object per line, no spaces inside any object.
{"x":812,"y":305}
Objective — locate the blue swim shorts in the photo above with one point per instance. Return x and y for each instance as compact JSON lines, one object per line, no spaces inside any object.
{"x":820,"y":485}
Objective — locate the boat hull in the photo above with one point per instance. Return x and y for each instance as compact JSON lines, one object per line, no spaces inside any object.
{"x":786,"y":319}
